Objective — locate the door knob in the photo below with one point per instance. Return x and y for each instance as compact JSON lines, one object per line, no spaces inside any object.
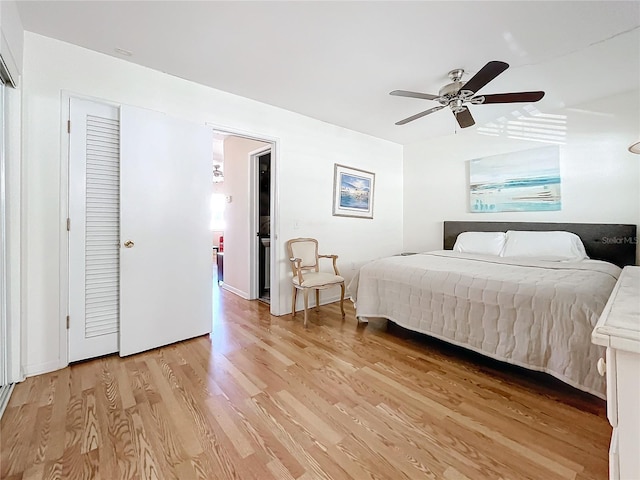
{"x":129,"y":244}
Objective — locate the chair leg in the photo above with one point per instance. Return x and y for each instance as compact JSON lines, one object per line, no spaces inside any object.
{"x":317,"y":300}
{"x":342,"y":298}
{"x":306,"y":305}
{"x":293,"y":301}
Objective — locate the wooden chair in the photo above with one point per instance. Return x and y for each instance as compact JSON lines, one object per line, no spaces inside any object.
{"x":303,"y":254}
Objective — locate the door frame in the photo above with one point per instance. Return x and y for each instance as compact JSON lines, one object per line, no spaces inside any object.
{"x":274,"y":252}
{"x":5,"y":339}
{"x":254,"y":218}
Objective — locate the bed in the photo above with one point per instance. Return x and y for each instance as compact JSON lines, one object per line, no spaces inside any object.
{"x":537,"y":312}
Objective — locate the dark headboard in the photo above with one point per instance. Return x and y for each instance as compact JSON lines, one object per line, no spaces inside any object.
{"x":614,"y":243}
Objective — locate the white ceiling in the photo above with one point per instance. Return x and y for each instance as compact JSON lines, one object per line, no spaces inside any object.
{"x":338,"y":61}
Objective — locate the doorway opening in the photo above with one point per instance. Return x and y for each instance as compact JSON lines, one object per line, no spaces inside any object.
{"x":264,"y":225}
{"x":218,"y":205}
{"x":249,"y":163}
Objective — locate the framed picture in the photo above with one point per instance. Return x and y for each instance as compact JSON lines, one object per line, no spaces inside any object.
{"x":353,"y":192}
{"x":526,"y":181}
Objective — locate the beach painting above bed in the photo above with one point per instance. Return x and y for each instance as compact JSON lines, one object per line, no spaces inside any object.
{"x":352,"y":192}
{"x":524,"y":181}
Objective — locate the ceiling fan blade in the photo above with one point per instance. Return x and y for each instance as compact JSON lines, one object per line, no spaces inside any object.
{"x":487,"y":73}
{"x":404,"y":93}
{"x":420,"y":115}
{"x":510,"y":97}
{"x":464,"y":118}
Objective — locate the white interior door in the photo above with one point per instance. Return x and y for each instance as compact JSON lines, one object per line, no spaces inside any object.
{"x":94,"y":162}
{"x":166,"y":270}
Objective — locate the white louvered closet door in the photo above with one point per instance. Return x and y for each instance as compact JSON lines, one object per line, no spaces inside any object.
{"x":94,"y":236}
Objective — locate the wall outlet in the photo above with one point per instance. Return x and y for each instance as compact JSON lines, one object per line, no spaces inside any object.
{"x":228,"y":198}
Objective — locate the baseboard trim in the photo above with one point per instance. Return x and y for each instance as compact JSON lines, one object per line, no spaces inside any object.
{"x":40,"y":368}
{"x":235,"y":291}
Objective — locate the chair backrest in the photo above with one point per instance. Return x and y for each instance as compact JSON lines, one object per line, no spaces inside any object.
{"x":305,"y":249}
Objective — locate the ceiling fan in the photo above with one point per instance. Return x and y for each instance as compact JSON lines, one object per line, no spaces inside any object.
{"x":218,"y":176}
{"x":458,"y":93}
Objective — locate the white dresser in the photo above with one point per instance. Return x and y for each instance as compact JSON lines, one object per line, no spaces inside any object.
{"x":618,"y":329}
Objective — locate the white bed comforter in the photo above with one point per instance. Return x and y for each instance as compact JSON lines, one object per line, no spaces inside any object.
{"x":535,"y":314}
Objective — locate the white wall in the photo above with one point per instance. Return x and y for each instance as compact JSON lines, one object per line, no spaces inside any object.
{"x":600,"y":179}
{"x":307,"y":150}
{"x":238,"y":230}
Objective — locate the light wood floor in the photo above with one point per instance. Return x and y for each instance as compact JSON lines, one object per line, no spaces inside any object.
{"x":264,"y":398}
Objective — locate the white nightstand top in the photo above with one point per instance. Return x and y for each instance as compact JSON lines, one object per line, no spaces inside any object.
{"x":619,"y":324}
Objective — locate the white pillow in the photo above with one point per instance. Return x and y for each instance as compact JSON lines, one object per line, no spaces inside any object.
{"x":544,"y":245}
{"x":485,"y":243}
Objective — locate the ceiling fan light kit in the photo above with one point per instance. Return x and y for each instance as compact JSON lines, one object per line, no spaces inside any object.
{"x":458,"y":93}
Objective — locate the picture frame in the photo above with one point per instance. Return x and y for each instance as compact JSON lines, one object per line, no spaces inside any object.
{"x":524,"y":181}
{"x":353,"y":192}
